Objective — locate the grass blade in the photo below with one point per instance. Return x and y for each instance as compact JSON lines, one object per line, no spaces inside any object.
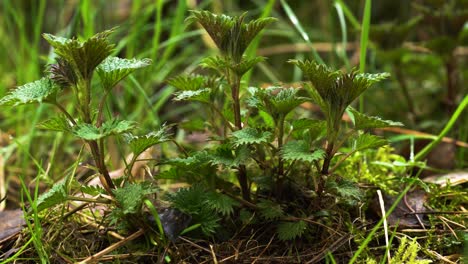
{"x":295,"y":21}
{"x":364,"y":41}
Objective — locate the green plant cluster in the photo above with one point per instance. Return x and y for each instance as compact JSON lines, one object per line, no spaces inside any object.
{"x":259,"y":145}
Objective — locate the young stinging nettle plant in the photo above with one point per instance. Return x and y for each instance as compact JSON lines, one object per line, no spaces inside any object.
{"x":260,"y":138}
{"x":76,"y":64}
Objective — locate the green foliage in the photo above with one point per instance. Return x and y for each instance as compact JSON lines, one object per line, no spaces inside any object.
{"x":111,"y":127}
{"x":346,"y":191}
{"x":221,"y":203}
{"x":138,"y":144}
{"x":377,"y":167}
{"x":270,"y":210}
{"x":276,"y":101}
{"x":114,"y":69}
{"x":92,"y":190}
{"x":203,"y":205}
{"x":224,"y":155}
{"x":59,"y":123}
{"x":300,"y":150}
{"x":250,"y":136}
{"x":188,"y":82}
{"x":130,"y":197}
{"x":42,"y":90}
{"x":291,"y":230}
{"x":230,"y":34}
{"x":202,"y":95}
{"x":56,"y":195}
{"x":366,"y":141}
{"x":337,"y":90}
{"x":83,"y":57}
{"x":362,"y":121}
{"x":408,"y":253}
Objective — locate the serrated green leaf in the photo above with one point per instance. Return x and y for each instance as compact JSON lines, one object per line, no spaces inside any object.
{"x":92,"y":190}
{"x":217,"y":63}
{"x":42,"y":90}
{"x":362,"y":121}
{"x":300,"y":150}
{"x":56,"y":195}
{"x":111,"y":127}
{"x":306,"y":124}
{"x":309,"y":129}
{"x":291,"y":230}
{"x":85,"y":56}
{"x":270,"y":210}
{"x":366,"y":141}
{"x":130,"y":197}
{"x":221,"y":203}
{"x":249,"y":136}
{"x":275,"y":100}
{"x":188,"y":82}
{"x":202,"y":95}
{"x":60,"y":124}
{"x":225,"y":155}
{"x":348,"y":191}
{"x":194,"y":201}
{"x":62,"y":73}
{"x":246,"y":64}
{"x":112,"y":70}
{"x":138,"y":144}
{"x":230,"y":34}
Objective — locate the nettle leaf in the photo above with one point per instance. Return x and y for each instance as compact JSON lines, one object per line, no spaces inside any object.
{"x":131,"y":196}
{"x":42,"y":90}
{"x":59,"y":123}
{"x":112,"y":70}
{"x":225,"y":155}
{"x":348,"y":192}
{"x":300,"y":150}
{"x":291,"y":230}
{"x":217,"y":63}
{"x":221,"y":203}
{"x":246,"y":64}
{"x":275,"y":100}
{"x":336,"y":89}
{"x":309,"y":124}
{"x":321,"y":76}
{"x":308,"y":128}
{"x":230,"y":34}
{"x":202,"y":95}
{"x":197,"y":158}
{"x":188,"y":82}
{"x":194,"y":201}
{"x":92,"y":190}
{"x":85,"y":56}
{"x":62,"y":73}
{"x":362,"y":121}
{"x":56,"y":195}
{"x":366,"y":141}
{"x":270,"y":210}
{"x":249,"y":136}
{"x":138,"y":144}
{"x":111,"y":127}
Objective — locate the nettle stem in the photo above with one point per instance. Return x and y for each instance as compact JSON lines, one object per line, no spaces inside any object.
{"x":235,"y":82}
{"x":96,"y":147}
{"x":280,"y":178}
{"x":326,"y":165}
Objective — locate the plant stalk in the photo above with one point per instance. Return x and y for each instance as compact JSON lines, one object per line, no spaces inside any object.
{"x":242,"y":171}
{"x":279,"y":180}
